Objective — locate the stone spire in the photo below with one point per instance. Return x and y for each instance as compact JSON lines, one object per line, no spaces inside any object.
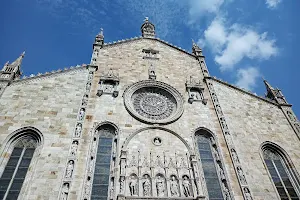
{"x":274,"y":94}
{"x":12,"y":71}
{"x":148,"y":29}
{"x":99,"y":40}
{"x":197,"y":51}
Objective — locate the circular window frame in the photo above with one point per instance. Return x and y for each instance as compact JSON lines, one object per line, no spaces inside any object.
{"x":161,"y":85}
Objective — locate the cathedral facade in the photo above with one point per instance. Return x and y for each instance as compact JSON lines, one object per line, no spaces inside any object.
{"x":143,"y":120}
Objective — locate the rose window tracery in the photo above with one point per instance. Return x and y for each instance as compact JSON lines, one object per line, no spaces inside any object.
{"x":150,"y":102}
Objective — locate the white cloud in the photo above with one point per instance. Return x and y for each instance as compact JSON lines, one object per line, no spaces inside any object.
{"x":272,"y":3}
{"x":234,"y":43}
{"x":202,"y":7}
{"x":246,"y":78}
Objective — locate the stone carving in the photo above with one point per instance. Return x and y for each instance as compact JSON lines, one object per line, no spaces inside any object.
{"x":297,"y":127}
{"x":133,"y":186}
{"x":148,"y":29}
{"x":291,"y":116}
{"x":151,"y":71}
{"x":226,"y":191}
{"x":88,"y":87}
{"x":146,"y":186}
{"x":153,"y":102}
{"x":247,"y":194}
{"x":221,"y":173}
{"x":78,"y":130}
{"x":186,"y":186}
{"x":160,"y":186}
{"x":150,"y":54}
{"x":84,"y":100}
{"x":219,"y":110}
{"x":195,"y":90}
{"x":174,"y":187}
{"x":94,"y":146}
{"x":70,"y":168}
{"x":234,"y":156}
{"x":65,"y":191}
{"x":87,"y":187}
{"x":111,"y":189}
{"x":216,"y":154}
{"x":90,"y":77}
{"x":223,"y":123}
{"x":74,"y":148}
{"x":109,"y":83}
{"x":81,"y":114}
{"x":157,"y":141}
{"x":122,"y":183}
{"x":241,"y":175}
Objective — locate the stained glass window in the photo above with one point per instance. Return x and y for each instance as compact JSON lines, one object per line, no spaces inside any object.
{"x":16,"y":169}
{"x":209,"y":168}
{"x":103,"y":163}
{"x":280,"y":174}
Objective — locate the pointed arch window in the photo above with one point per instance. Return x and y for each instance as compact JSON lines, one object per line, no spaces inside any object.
{"x":283,"y":176}
{"x":105,"y":158}
{"x":15,"y":171}
{"x":211,"y":165}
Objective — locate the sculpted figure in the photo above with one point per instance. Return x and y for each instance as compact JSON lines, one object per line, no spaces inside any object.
{"x":247,"y":194}
{"x":216,"y":154}
{"x":133,"y":186}
{"x":65,"y":191}
{"x":88,"y":87}
{"x":122,"y":181}
{"x":74,"y":148}
{"x":70,"y":169}
{"x":160,"y":186}
{"x":84,"y":100}
{"x":174,"y":187}
{"x":146,"y":186}
{"x":226,"y":192}
{"x":234,"y":155}
{"x":241,"y":175}
{"x":81,"y":114}
{"x":78,"y":130}
{"x":186,"y":186}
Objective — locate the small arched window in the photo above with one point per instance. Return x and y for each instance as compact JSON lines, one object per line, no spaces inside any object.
{"x":105,"y":158}
{"x":21,"y":148}
{"x":211,"y":165}
{"x":283,"y":176}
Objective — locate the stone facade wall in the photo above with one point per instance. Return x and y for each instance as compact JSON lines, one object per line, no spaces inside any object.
{"x":252,"y":122}
{"x":51,"y":105}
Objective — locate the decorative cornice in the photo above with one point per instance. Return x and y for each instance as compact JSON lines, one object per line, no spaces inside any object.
{"x":25,"y":79}
{"x":155,"y":39}
{"x":243,"y":91}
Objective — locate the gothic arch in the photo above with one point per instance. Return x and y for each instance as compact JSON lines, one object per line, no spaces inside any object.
{"x":22,"y":146}
{"x":211,"y":162}
{"x":18,"y":135}
{"x":283,"y":159}
{"x":127,"y":140}
{"x":109,"y":151}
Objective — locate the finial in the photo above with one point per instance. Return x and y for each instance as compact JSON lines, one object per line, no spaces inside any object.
{"x":146,"y":19}
{"x":101,"y":31}
{"x":23,"y":54}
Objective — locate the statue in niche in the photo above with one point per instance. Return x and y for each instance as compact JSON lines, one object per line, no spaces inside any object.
{"x":219,"y":111}
{"x":74,"y":148}
{"x":90,"y":76}
{"x":122,"y":182}
{"x":226,"y":192}
{"x":221,"y":173}
{"x":241,"y":175}
{"x":234,"y":156}
{"x":81,"y":114}
{"x":70,"y":169}
{"x":88,"y":86}
{"x":247,"y":194}
{"x":216,"y":154}
{"x":133,"y":186}
{"x":94,"y":146}
{"x":65,"y":191}
{"x":174,"y":187}
{"x":160,"y":186}
{"x":186,"y":186}
{"x":147,"y":186}
{"x":78,"y":130}
{"x":84,"y":100}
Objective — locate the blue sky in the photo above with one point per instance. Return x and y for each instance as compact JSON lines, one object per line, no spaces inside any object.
{"x":242,"y":40}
